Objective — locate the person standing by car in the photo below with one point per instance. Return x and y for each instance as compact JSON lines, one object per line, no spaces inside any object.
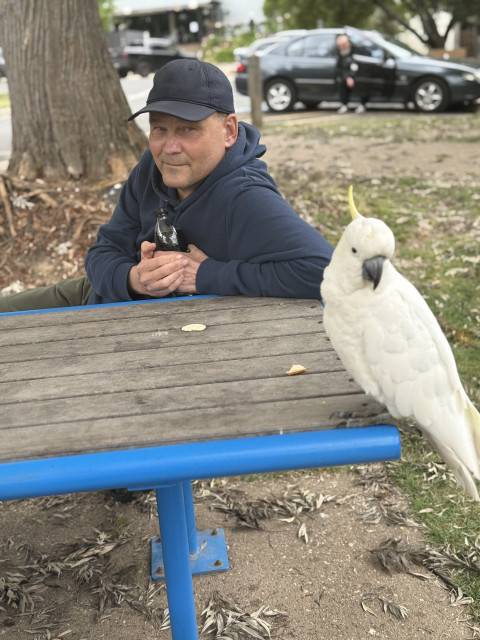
{"x":346,"y":70}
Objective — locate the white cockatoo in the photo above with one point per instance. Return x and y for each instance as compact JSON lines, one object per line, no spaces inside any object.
{"x":391,"y":343}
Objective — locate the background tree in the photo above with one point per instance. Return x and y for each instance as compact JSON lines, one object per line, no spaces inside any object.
{"x":68,"y":109}
{"x":106,"y":9}
{"x":306,"y":14}
{"x":428,"y":11}
{"x":388,"y":16}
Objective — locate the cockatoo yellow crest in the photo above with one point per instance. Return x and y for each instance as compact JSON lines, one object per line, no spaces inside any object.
{"x":353,"y":209}
{"x":391,"y":343}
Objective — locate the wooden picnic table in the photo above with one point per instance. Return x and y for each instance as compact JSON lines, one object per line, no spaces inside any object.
{"x":120,"y":396}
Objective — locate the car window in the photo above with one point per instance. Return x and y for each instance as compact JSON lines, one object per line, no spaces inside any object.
{"x":365,"y":47}
{"x":313,"y":46}
{"x":264,"y":45}
{"x":277,"y":49}
{"x":399,"y":49}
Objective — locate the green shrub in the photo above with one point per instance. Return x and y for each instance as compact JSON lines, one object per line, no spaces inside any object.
{"x":218,"y":49}
{"x":223,"y":55}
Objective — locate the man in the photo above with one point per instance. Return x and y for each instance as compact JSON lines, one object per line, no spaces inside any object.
{"x":346,"y":70}
{"x":202,"y":166}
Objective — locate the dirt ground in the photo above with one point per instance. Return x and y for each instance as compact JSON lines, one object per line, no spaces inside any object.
{"x":382,"y":156}
{"x":336,"y":557}
{"x":312,"y":570}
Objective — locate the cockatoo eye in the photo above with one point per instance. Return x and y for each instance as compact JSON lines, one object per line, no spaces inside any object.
{"x":354,"y":250}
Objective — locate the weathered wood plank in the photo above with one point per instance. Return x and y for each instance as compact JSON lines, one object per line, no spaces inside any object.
{"x":155,"y":336}
{"x":141,"y":378}
{"x":119,"y":325}
{"x":168,"y":399}
{"x":189,"y":425}
{"x":105,"y":313}
{"x":161,"y":356}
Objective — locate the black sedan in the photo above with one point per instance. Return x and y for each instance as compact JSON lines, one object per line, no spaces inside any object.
{"x":304,"y":69}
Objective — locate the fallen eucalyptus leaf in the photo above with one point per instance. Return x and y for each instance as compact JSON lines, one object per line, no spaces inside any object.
{"x":295,"y":369}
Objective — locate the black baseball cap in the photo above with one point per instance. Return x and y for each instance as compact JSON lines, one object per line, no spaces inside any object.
{"x":189,"y":89}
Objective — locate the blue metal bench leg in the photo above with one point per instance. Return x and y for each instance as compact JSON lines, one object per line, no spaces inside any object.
{"x":176,"y":559}
{"x":190,"y":517}
{"x":207,"y":549}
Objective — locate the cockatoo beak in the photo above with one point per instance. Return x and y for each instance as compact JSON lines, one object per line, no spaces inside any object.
{"x":353,"y":209}
{"x":372,"y":270}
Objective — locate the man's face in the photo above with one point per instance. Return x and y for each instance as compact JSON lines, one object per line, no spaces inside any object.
{"x":343,"y":45}
{"x":187,"y":152}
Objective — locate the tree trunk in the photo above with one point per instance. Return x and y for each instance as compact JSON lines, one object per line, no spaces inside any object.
{"x":68,"y":108}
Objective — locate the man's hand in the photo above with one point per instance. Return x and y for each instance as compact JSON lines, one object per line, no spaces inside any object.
{"x":350,"y":82}
{"x":161,"y":272}
{"x":195,"y":257}
{"x":158,"y":273}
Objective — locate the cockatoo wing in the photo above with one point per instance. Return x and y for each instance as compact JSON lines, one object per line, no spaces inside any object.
{"x":418,"y":377}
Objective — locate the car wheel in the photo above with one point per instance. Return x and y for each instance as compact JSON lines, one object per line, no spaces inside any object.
{"x":143,"y":68}
{"x":280,"y":95}
{"x":430,"y":95}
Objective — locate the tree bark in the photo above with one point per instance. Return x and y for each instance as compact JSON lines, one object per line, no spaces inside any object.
{"x":68,"y":108}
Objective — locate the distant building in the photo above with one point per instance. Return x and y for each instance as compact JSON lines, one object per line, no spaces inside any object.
{"x":184,"y":21}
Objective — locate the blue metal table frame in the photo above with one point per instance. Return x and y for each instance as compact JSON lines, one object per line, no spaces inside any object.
{"x":170,"y":469}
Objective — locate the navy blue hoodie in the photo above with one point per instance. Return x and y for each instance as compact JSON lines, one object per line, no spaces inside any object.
{"x":257,"y":245}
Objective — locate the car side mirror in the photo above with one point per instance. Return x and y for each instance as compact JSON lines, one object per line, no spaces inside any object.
{"x":389,"y":63}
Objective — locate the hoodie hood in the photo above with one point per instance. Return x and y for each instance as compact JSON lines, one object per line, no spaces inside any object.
{"x":245,"y":150}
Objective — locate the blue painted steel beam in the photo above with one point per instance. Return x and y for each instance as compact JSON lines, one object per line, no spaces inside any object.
{"x":190,"y":516}
{"x":150,"y":467}
{"x":88,"y":307}
{"x":176,"y":559}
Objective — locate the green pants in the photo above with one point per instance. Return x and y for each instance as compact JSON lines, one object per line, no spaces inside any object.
{"x":68,"y":293}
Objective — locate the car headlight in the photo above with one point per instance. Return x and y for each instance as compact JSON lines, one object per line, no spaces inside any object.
{"x":471,"y":76}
